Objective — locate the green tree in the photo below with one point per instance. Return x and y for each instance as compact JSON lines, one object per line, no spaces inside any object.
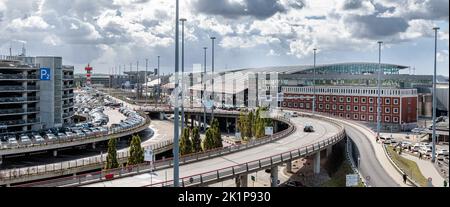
{"x":111,"y":159}
{"x":250,"y":124}
{"x":217,"y":136}
{"x":196,"y":141}
{"x":208,"y":142}
{"x":136,"y":151}
{"x":185,"y":142}
{"x":243,"y":126}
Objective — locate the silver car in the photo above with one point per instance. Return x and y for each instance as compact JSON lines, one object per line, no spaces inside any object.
{"x":62,"y":135}
{"x":24,"y":139}
{"x":38,"y":139}
{"x":12,"y":141}
{"x":51,"y":136}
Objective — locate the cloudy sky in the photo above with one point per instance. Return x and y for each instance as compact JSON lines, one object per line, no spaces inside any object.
{"x":250,"y":33}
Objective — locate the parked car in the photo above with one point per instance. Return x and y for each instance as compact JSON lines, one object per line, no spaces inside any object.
{"x":80,"y":133}
{"x":425,"y":149}
{"x":24,"y":139}
{"x":12,"y":141}
{"x":51,"y":136}
{"x":386,"y":140}
{"x":405,"y":144}
{"x":442,"y":152}
{"x":38,"y":138}
{"x":70,"y":134}
{"x":62,"y":135}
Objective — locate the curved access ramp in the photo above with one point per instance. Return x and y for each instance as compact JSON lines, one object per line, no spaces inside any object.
{"x":295,"y":145}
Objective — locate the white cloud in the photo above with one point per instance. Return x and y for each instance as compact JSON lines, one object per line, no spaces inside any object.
{"x":442,"y":56}
{"x":125,"y":30}
{"x":29,"y":23}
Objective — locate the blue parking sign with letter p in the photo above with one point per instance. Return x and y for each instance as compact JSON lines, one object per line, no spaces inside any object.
{"x":45,"y":73}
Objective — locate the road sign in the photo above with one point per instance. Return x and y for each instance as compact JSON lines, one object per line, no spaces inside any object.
{"x":208,"y":103}
{"x":253,"y":178}
{"x":351,"y":180}
{"x":45,"y":74}
{"x":268,"y":131}
{"x":148,"y":155}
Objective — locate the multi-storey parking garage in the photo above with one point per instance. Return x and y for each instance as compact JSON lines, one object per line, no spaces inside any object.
{"x":19,"y":97}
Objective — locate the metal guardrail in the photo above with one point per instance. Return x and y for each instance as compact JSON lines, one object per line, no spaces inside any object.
{"x":252,"y":166}
{"x":17,"y":76}
{"x":12,"y":174}
{"x":161,"y":164}
{"x":15,"y":111}
{"x":18,"y":88}
{"x":18,"y":122}
{"x":348,"y":149}
{"x":17,"y":99}
{"x":111,"y":131}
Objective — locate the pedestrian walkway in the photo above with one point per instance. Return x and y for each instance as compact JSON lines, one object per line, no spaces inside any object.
{"x":428,"y":170}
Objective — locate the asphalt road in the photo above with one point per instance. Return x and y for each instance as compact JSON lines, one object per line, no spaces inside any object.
{"x":323,"y":130}
{"x":369,"y":164}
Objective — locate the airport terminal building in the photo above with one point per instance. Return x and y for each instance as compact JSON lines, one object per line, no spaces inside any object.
{"x":347,"y":90}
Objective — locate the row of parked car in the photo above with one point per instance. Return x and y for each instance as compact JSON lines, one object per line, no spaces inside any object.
{"x":66,"y":133}
{"x":133,"y":119}
{"x":422,"y":147}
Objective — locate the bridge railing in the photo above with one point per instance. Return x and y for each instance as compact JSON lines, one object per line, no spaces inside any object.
{"x":17,"y":173}
{"x":165,"y":163}
{"x":252,"y":166}
{"x":74,"y":138}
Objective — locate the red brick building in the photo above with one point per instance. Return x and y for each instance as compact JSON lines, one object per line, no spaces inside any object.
{"x":399,"y":106}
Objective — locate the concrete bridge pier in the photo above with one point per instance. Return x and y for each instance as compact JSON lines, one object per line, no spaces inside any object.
{"x":289,"y":166}
{"x":316,"y":163}
{"x":93,"y":145}
{"x":242,"y":181}
{"x":329,"y":150}
{"x":274,"y":176}
{"x":161,"y":116}
{"x":55,"y":153}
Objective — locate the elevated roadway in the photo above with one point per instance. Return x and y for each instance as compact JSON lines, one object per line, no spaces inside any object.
{"x":323,"y":131}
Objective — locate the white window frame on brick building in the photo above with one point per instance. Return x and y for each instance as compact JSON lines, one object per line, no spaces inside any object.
{"x":395,"y":110}
{"x":395,"y":119}
{"x":395,"y":101}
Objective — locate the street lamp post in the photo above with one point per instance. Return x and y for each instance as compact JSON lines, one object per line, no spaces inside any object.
{"x":176,"y":150}
{"x":212,"y":79}
{"x":138,"y":87}
{"x":159,"y":85}
{"x":182,"y":20}
{"x":433,"y":138}
{"x":203,"y":79}
{"x":314,"y":83}
{"x":146,"y":84}
{"x":379,"y":91}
